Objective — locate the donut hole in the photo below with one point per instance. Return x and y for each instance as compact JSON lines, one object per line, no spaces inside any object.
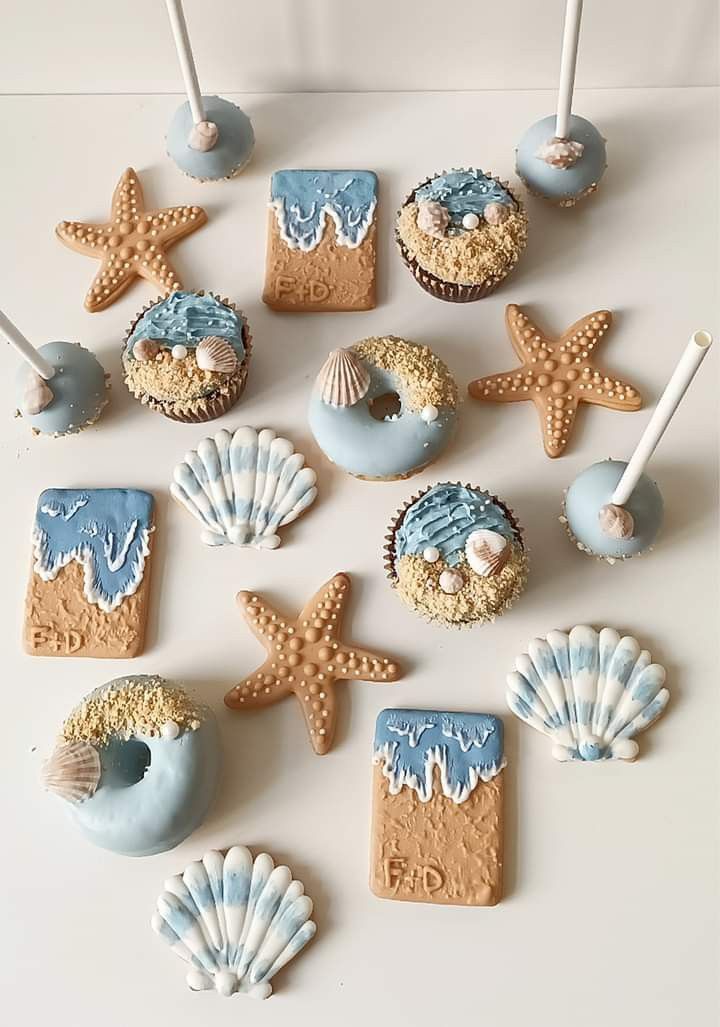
{"x":386,"y":407}
{"x":124,"y":762}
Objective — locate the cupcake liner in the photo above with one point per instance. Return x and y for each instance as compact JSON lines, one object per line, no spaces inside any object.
{"x":204,"y":408}
{"x":467,"y":622}
{"x":452,"y":292}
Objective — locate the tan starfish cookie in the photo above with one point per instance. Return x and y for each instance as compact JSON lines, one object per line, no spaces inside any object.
{"x":307,"y":657}
{"x":557,"y":375}
{"x":132,"y":244}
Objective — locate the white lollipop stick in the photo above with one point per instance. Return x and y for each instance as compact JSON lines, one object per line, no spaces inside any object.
{"x":26,"y":350}
{"x":187,"y":61}
{"x":568,"y":60}
{"x":695,"y":352}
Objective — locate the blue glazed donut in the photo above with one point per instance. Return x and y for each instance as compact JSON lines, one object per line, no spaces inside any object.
{"x":609,"y":532}
{"x":384,"y":408}
{"x":137,"y":762}
{"x":230,"y":153}
{"x":551,"y":181}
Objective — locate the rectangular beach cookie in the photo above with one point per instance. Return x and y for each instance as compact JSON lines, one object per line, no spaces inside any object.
{"x":89,"y":585}
{"x":437,"y":821}
{"x":321,"y":241}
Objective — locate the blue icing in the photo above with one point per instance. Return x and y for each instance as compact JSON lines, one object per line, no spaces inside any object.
{"x":301,"y":200}
{"x":444,"y":517}
{"x":467,"y":747}
{"x":171,"y":799}
{"x":185,"y":318}
{"x":105,"y":530}
{"x":464,"y":192}
{"x":561,"y":183}
{"x":78,"y":388}
{"x":354,"y":440}
{"x":231,"y":152}
{"x":593,"y":489}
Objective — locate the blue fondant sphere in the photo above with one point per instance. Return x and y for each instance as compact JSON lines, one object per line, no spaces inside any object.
{"x":593,"y":489}
{"x":561,"y":185}
{"x":232,"y":150}
{"x":78,"y":388}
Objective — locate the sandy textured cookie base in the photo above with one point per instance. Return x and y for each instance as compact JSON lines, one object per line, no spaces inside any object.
{"x":437,"y":851}
{"x":59,"y":621}
{"x":329,"y":277}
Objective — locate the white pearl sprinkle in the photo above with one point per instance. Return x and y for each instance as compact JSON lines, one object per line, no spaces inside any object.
{"x":179,"y":352}
{"x":431,"y":554}
{"x":429,"y":413}
{"x":470,"y":221}
{"x":169,"y":730}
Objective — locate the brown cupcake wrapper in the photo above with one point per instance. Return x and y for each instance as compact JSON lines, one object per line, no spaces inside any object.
{"x":389,"y":547}
{"x":452,"y":292}
{"x":204,"y":408}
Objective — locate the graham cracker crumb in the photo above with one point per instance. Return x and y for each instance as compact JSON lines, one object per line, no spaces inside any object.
{"x":426,"y":379}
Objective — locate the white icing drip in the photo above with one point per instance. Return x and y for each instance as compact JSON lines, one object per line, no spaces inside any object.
{"x":465,"y":740}
{"x":115,"y":563}
{"x":437,"y":756}
{"x":411,"y":732}
{"x":306,"y":245}
{"x":57,"y":511}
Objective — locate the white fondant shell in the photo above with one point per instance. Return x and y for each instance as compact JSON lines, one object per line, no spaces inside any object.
{"x":616,"y":521}
{"x":243,"y":486}
{"x":343,"y":379}
{"x":560,"y":153}
{"x":589,"y":692}
{"x":37,"y":396}
{"x":236,"y":920}
{"x":216,"y":354}
{"x":432,"y":218}
{"x":145,"y":349}
{"x":72,"y":771}
{"x":487,"y":552}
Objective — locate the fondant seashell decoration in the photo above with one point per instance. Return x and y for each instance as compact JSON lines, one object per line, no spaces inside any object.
{"x":236,"y":920}
{"x":343,"y":379}
{"x":560,"y":153}
{"x":589,"y":692}
{"x":495,"y":213}
{"x":243,"y":486}
{"x":203,"y":136}
{"x":72,"y":771}
{"x":37,"y":396}
{"x":145,"y":349}
{"x":487,"y":552}
{"x":216,"y":354}
{"x":616,"y":521}
{"x":432,"y":218}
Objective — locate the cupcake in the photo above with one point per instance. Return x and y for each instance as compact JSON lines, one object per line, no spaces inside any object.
{"x":456,"y":555}
{"x":384,"y":408}
{"x":461,"y":233}
{"x":187,"y":356}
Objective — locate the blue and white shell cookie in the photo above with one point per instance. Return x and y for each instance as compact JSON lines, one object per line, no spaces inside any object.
{"x":384,"y":408}
{"x":236,"y":920}
{"x":455,"y":554}
{"x":137,"y":763}
{"x":590,"y":692}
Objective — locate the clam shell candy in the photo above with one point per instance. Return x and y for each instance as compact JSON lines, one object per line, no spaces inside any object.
{"x":616,"y":522}
{"x":72,"y":771}
{"x":38,"y":395}
{"x":343,"y":379}
{"x":487,"y":552}
{"x":145,"y":349}
{"x":432,"y":218}
{"x":216,"y":354}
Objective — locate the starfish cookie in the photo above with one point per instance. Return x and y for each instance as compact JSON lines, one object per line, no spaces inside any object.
{"x":306,"y":656}
{"x":557,"y":375}
{"x":131,"y":244}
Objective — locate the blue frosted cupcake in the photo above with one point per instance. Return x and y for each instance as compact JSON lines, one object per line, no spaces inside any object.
{"x":187,"y":356}
{"x":455,"y":554}
{"x":461,"y":233}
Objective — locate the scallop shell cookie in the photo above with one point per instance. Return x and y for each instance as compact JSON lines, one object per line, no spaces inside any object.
{"x":235,"y":920}
{"x":242,"y":487}
{"x":590,"y":692}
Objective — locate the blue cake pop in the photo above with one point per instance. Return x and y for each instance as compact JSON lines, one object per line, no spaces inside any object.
{"x":216,"y":148}
{"x":71,"y":399}
{"x":561,"y":170}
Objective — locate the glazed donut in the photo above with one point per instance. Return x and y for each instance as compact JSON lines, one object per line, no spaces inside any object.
{"x":383,"y":409}
{"x":137,"y":763}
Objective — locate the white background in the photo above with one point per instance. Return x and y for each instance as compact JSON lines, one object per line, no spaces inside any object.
{"x":610,"y":912}
{"x":285,"y":45}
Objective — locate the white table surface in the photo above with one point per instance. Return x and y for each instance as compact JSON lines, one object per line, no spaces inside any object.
{"x":610,"y":912}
